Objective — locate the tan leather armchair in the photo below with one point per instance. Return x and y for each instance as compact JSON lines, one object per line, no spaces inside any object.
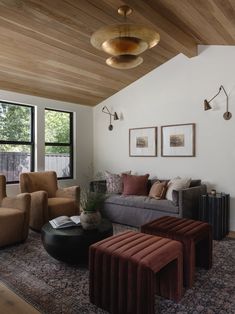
{"x":47,"y":200}
{"x":14,"y":216}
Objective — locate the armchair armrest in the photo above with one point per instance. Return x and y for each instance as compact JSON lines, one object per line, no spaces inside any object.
{"x":39,"y":209}
{"x":189,"y":201}
{"x":20,"y":201}
{"x":70,"y":192}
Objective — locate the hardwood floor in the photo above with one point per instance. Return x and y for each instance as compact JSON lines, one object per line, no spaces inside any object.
{"x":231,"y":234}
{"x":11,"y":303}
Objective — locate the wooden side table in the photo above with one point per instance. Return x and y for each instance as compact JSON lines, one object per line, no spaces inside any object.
{"x":214,"y":209}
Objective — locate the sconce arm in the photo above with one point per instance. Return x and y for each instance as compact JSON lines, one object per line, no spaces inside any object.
{"x":221,"y":87}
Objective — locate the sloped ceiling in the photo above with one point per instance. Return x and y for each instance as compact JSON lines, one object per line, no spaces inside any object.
{"x":45,"y":45}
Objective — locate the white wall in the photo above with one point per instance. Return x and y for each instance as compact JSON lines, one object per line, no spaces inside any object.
{"x":174,"y":94}
{"x":83,"y":141}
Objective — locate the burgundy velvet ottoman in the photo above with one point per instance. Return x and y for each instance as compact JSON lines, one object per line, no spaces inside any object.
{"x":196,"y":237}
{"x":127,"y":269}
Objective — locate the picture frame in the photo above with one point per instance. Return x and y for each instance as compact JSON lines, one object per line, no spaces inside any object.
{"x":178,"y":140}
{"x":143,"y":142}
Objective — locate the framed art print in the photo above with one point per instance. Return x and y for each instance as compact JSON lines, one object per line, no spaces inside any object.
{"x":143,"y":142}
{"x":178,"y":140}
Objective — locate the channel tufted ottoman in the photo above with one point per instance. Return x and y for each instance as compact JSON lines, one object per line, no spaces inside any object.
{"x":127,"y":269}
{"x":196,"y":237}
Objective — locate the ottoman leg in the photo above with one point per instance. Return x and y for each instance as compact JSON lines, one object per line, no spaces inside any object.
{"x":204,"y":252}
{"x":189,"y":263}
{"x":170,"y":280}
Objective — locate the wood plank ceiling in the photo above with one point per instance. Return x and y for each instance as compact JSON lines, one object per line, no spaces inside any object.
{"x":45,"y":45}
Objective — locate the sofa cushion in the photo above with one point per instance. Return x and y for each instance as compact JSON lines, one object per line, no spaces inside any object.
{"x":142,"y":202}
{"x":114,"y":182}
{"x":135,"y":185}
{"x":176,"y":184}
{"x":158,"y":190}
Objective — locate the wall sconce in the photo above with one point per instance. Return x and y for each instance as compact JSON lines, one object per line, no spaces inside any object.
{"x":115,"y":116}
{"x":227,"y":115}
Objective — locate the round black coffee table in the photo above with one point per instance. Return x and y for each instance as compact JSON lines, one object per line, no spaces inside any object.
{"x":71,"y":244}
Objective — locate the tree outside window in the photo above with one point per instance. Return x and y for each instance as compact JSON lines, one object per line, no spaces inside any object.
{"x":59,"y":142}
{"x":16,"y":140}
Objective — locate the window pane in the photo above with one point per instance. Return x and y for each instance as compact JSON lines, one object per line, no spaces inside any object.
{"x":15,"y":122}
{"x":14,"y":160}
{"x":57,"y":127}
{"x":57,"y":158}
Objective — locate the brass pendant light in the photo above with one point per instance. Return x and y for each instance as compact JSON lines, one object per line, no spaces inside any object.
{"x":124,"y":42}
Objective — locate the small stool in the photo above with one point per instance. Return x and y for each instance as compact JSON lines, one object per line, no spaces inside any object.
{"x":127,"y":269}
{"x":196,"y":237}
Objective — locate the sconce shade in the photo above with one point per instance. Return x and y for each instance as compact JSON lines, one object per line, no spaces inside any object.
{"x":207,"y":106}
{"x":115,"y":116}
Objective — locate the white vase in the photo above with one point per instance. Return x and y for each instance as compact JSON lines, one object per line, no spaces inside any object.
{"x":90,"y":220}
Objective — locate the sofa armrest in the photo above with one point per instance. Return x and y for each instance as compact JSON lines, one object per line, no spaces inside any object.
{"x":189,"y":201}
{"x":98,"y":186}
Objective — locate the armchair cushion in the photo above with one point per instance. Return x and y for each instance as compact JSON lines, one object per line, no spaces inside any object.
{"x":39,"y":181}
{"x":57,"y":206}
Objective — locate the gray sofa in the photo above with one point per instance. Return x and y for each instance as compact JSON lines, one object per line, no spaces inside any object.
{"x":136,"y":210}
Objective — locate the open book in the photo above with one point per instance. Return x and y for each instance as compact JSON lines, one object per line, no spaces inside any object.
{"x":65,"y":222}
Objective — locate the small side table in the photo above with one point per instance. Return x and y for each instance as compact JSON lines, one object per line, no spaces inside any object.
{"x":214,"y":209}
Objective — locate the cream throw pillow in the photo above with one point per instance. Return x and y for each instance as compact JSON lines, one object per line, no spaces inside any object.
{"x":176,"y":184}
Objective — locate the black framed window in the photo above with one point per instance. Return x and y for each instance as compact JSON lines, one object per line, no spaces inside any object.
{"x":59,"y":142}
{"x":16,"y":140}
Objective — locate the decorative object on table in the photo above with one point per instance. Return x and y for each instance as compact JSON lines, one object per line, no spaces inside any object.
{"x":227,"y":115}
{"x":214,"y":208}
{"x":143,"y":142}
{"x":115,"y":116}
{"x":65,"y":222}
{"x":124,"y":42}
{"x":91,"y":203}
{"x":178,"y":140}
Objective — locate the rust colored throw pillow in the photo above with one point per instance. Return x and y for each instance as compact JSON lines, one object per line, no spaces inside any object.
{"x":135,"y":185}
{"x":158,"y":190}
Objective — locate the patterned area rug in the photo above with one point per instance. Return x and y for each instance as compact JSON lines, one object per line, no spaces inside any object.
{"x":55,"y":287}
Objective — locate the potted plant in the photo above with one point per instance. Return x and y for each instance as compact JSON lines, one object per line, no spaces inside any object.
{"x":91,"y":203}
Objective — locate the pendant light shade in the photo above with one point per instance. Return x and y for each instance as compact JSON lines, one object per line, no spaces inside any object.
{"x":124,"y":61}
{"x":125,"y":39}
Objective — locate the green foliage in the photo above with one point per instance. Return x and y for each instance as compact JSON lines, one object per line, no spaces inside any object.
{"x":15,"y":124}
{"x":91,"y":201}
{"x":57,"y":130}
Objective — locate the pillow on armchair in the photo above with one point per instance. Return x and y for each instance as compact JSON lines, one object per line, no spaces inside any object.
{"x":135,"y":185}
